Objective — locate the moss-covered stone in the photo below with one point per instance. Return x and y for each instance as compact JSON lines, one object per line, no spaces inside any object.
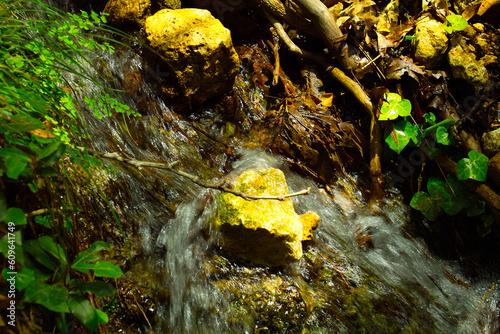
{"x":431,"y":43}
{"x":267,"y":232}
{"x":198,"y":50}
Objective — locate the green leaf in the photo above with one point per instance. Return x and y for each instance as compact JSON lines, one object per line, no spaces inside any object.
{"x":83,"y":310}
{"x":15,"y":161}
{"x":33,"y":248}
{"x":16,"y":216}
{"x":53,"y":248}
{"x":400,"y":136}
{"x":86,"y":255}
{"x":98,"y":288}
{"x":100,"y":268}
{"x":393,"y":107}
{"x":49,"y":149}
{"x":430,"y":118}
{"x":438,"y":190}
{"x":4,"y":246}
{"x":456,"y":22}
{"x":24,"y":278}
{"x":86,"y":261}
{"x":422,"y":201}
{"x":475,"y":167}
{"x":442,"y":136}
{"x":475,"y":207}
{"x":54,"y":297}
{"x":20,"y":123}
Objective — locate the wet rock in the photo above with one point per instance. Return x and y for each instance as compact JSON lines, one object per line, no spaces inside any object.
{"x":431,"y":43}
{"x":464,"y":64}
{"x":267,"y":232}
{"x":198,"y":51}
{"x":126,"y":12}
{"x":491,"y":142}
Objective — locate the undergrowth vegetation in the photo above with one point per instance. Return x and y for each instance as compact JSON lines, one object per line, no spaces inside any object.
{"x":40,"y":132}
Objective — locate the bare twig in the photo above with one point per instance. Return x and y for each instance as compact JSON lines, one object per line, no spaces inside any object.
{"x":193,"y":178}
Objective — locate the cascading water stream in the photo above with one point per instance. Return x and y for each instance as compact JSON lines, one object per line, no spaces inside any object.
{"x":338,"y":287}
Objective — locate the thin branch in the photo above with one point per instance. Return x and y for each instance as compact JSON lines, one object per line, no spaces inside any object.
{"x":193,"y":178}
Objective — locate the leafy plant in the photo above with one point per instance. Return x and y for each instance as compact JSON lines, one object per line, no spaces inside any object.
{"x":398,"y":136}
{"x":393,"y":107}
{"x":47,"y":279}
{"x":454,"y":23}
{"x":40,"y":122}
{"x":450,"y":197}
{"x":474,"y":167}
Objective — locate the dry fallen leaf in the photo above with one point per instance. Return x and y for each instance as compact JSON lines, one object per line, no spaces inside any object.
{"x":43,"y":133}
{"x":327,"y":99}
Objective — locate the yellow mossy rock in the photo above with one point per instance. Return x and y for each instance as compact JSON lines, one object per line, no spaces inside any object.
{"x":431,"y":43}
{"x":264,"y":231}
{"x":309,"y":222}
{"x":124,"y":12}
{"x":199,"y":51}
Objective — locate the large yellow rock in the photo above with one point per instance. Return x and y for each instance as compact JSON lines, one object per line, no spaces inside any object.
{"x":431,"y":43}
{"x":264,"y":231}
{"x":198,"y":50}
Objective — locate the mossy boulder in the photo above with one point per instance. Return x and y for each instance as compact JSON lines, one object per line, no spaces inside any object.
{"x":123,"y":13}
{"x":198,"y":51}
{"x":264,"y":231}
{"x":431,"y":43}
{"x":464,"y":64}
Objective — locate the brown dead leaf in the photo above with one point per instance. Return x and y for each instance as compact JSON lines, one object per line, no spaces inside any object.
{"x":485,"y":5}
{"x":401,"y":66}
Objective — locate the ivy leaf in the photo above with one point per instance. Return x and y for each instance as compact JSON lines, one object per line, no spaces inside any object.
{"x":424,"y":203}
{"x":475,"y":167}
{"x":400,"y":136}
{"x":455,"y":23}
{"x":430,"y":118}
{"x":442,"y":136}
{"x":16,"y":216}
{"x":393,"y":107}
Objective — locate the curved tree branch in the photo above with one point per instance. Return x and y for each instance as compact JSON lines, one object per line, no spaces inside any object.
{"x":222,"y":186}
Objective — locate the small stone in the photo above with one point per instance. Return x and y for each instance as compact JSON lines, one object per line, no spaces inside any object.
{"x":464,"y":64}
{"x":431,"y":43}
{"x":491,"y":142}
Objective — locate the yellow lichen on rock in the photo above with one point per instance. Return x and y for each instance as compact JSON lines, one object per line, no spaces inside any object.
{"x":264,"y":231}
{"x":124,"y":12}
{"x":310,"y":221}
{"x":197,"y":48}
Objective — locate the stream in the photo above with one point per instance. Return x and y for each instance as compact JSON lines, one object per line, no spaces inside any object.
{"x":360,"y":274}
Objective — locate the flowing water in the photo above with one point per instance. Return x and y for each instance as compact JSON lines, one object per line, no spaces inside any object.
{"x":360,"y":274}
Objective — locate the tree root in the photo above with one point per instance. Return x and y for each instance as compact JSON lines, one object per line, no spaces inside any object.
{"x":222,"y":186}
{"x":356,"y":90}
